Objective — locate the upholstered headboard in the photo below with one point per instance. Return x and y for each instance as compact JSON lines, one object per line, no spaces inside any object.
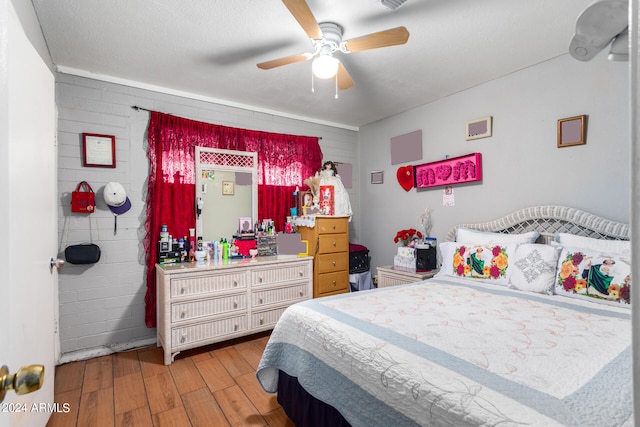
{"x":548,"y":220}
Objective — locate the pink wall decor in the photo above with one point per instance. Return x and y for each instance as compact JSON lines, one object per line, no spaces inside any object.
{"x":405,"y":177}
{"x":456,"y":170}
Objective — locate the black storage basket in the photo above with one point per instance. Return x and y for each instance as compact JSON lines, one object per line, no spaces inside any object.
{"x":358,"y":262}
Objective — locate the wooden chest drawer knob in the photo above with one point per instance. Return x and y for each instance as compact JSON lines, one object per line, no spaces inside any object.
{"x":235,"y":283}
{"x":235,"y":304}
{"x":334,"y":283}
{"x":183,"y":314}
{"x":183,"y":339}
{"x":335,"y":244}
{"x":182,"y":290}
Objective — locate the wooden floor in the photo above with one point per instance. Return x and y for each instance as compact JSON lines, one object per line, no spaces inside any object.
{"x":210,"y":386}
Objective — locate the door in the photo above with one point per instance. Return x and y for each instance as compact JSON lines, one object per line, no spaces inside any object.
{"x":28,"y":211}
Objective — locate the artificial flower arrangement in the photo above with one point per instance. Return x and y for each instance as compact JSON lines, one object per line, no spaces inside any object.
{"x":407,"y":237}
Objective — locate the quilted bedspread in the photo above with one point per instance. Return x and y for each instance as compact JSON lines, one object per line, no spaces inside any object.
{"x":456,"y":352}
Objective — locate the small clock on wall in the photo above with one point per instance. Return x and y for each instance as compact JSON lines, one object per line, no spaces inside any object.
{"x":98,"y":151}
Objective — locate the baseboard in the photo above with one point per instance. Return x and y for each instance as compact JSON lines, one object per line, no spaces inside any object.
{"x":90,"y":353}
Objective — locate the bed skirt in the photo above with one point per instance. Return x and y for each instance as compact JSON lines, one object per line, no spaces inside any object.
{"x":304,"y":409}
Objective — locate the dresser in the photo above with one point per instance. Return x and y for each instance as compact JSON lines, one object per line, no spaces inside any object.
{"x":388,"y":276}
{"x":328,"y":239}
{"x":200,"y":304}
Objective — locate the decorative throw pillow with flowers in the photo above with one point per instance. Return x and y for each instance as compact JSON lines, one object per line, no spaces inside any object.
{"x":486,"y":262}
{"x":583,"y":273}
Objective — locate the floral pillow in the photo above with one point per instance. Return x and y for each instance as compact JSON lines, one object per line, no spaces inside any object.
{"x":534,"y":268}
{"x":474,"y":261}
{"x":601,"y":277}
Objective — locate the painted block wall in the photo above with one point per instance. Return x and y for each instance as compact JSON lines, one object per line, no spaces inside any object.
{"x":102,"y":305}
{"x":521,"y":162}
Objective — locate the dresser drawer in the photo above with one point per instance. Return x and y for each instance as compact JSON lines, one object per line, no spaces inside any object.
{"x":286,"y":295}
{"x":328,"y":243}
{"x":333,"y":282}
{"x":329,"y":263}
{"x":332,"y":225}
{"x":205,"y":331}
{"x":279,"y":274}
{"x":206,"y":284}
{"x":263,"y":319}
{"x":208,"y":307}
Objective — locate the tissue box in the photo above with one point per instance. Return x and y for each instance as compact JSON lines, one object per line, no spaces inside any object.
{"x":404,"y":263}
{"x":406,"y":251}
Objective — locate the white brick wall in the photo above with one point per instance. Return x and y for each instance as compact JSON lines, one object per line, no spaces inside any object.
{"x":102,"y":305}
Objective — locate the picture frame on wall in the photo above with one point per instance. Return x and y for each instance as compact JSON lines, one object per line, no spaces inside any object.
{"x":377,"y":177}
{"x":98,"y":151}
{"x":572,"y":131}
{"x":227,"y":188}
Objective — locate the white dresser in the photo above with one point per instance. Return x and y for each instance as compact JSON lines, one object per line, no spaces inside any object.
{"x":216,"y":301}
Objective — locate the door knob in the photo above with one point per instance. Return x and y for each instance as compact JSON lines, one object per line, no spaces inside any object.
{"x":57,"y":263}
{"x":26,"y":380}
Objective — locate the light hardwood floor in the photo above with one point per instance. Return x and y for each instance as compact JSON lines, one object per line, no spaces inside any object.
{"x":210,"y":386}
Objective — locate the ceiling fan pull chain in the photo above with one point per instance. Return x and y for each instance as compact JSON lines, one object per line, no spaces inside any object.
{"x":312,"y":80}
{"x":336,"y":86}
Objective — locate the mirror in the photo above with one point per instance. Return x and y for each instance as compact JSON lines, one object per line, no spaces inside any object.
{"x":227,"y":187}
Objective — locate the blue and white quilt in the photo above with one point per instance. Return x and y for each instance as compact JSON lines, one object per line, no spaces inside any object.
{"x":456,"y":352}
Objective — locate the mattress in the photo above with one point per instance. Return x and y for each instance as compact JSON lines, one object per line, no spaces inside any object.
{"x":458,"y":352}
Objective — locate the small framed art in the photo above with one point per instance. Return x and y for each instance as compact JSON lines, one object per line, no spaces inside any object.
{"x":227,"y":188}
{"x":572,"y":131}
{"x":377,"y":177}
{"x":98,"y":151}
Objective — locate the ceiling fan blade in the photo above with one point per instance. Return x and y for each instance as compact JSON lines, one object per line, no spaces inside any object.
{"x":300,"y":10}
{"x":283,"y":61}
{"x":344,"y":79}
{"x":391,"y":37}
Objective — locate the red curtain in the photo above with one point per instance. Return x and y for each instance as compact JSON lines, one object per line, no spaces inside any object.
{"x":284,"y":161}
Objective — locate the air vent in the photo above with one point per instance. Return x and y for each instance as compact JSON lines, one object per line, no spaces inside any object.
{"x":392,"y":4}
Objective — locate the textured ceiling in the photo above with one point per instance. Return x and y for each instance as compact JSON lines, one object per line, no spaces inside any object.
{"x":210,"y":48}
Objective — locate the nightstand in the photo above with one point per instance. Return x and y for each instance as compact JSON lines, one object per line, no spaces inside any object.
{"x":388,"y":276}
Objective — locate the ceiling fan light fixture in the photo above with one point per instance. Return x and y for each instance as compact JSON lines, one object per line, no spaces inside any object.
{"x":392,"y":4}
{"x":325,"y":66}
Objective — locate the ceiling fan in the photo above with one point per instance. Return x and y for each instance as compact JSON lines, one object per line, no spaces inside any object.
{"x":327,"y":40}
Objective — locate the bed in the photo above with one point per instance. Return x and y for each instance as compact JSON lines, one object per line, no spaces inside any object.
{"x":527,"y":323}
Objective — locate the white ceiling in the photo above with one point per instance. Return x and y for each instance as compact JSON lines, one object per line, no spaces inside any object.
{"x":210,"y":48}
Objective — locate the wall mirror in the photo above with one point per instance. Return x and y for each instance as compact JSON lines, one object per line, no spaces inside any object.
{"x":227,"y":187}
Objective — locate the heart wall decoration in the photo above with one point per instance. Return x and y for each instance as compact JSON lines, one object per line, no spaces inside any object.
{"x":405,"y":177}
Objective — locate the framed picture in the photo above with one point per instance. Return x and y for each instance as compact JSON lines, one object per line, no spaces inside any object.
{"x":227,"y":188}
{"x":98,"y":151}
{"x":479,"y":128}
{"x":245,"y":226}
{"x":572,"y":131}
{"x":377,"y":177}
{"x":305,"y":201}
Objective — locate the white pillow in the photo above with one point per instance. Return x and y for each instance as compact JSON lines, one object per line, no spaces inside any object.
{"x":468,"y":235}
{"x":533,"y":268}
{"x":622,"y":247}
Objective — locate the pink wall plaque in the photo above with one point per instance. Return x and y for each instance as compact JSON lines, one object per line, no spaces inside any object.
{"x":456,"y":170}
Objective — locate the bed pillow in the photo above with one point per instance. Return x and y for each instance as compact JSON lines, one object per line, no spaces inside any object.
{"x":477,"y":261}
{"x":622,"y":247}
{"x":468,"y":235}
{"x":533,"y":268}
{"x":588,"y":274}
